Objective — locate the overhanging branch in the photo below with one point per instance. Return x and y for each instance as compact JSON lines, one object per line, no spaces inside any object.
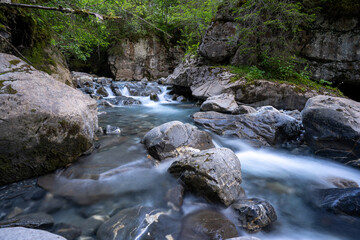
{"x":60,"y":9}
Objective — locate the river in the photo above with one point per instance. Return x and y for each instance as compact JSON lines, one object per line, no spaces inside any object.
{"x":119,"y":174}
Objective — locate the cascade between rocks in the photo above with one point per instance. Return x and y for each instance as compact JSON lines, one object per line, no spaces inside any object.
{"x":123,"y":191}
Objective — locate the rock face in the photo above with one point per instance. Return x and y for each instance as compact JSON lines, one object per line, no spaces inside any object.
{"x":330,"y":46}
{"x":254,"y":214}
{"x":332,"y":128}
{"x":207,"y":224}
{"x":333,"y":52}
{"x":175,"y":138}
{"x":44,"y":123}
{"x":279,"y":95}
{"x":214,"y":174}
{"x":16,"y":233}
{"x":224,"y":103}
{"x":265,"y":127}
{"x":145,"y":58}
{"x":343,"y":201}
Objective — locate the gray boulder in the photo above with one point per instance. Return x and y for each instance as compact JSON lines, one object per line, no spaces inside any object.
{"x":332,"y":128}
{"x":214,"y":174}
{"x":44,"y":124}
{"x":102,"y":92}
{"x":254,"y":214}
{"x":265,"y":127}
{"x":175,"y":138}
{"x":224,"y":103}
{"x":123,"y":101}
{"x":16,"y":233}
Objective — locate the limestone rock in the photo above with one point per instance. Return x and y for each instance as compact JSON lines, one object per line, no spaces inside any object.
{"x":332,"y":128}
{"x":16,"y":233}
{"x":44,"y":123}
{"x":147,"y":57}
{"x":243,"y":109}
{"x":265,"y":127}
{"x":254,"y":214}
{"x":175,"y":138}
{"x":214,"y":174}
{"x":224,"y":103}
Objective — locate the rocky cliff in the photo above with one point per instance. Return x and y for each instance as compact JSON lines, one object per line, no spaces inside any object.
{"x":148,"y":57}
{"x":330,"y":46}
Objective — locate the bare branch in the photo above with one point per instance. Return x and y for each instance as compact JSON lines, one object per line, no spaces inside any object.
{"x":60,"y":9}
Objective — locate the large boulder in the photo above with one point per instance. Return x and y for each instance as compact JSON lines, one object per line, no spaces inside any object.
{"x":175,"y":138}
{"x":254,"y":214}
{"x":332,"y":128}
{"x":337,"y":200}
{"x":16,"y":233}
{"x":267,"y":126}
{"x":214,"y":174}
{"x":44,"y":124}
{"x":224,"y":103}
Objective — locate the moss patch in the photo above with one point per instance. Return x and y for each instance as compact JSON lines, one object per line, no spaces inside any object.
{"x":14,"y":62}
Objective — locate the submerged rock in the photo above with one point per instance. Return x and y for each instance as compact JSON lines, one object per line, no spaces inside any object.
{"x":44,"y":124}
{"x":111,"y":130}
{"x":175,"y":138}
{"x":16,"y":233}
{"x":337,"y":200}
{"x":265,"y":127}
{"x":254,"y":214}
{"x":332,"y":128}
{"x":122,"y":100}
{"x":214,"y":174}
{"x":207,"y":224}
{"x":224,"y":103}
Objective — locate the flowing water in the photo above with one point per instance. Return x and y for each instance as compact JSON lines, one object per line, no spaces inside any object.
{"x":119,"y":174}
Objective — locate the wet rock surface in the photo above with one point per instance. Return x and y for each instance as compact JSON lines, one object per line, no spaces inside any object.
{"x":138,"y":222}
{"x":267,"y":126}
{"x":175,"y":138}
{"x":340,"y":201}
{"x":207,"y":224}
{"x":214,"y":174}
{"x":254,"y":214}
{"x":332,"y":128}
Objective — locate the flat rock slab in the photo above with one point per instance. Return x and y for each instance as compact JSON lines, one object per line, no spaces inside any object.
{"x":32,"y":220}
{"x":20,"y":233}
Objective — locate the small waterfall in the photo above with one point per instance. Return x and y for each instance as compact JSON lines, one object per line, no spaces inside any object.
{"x":109,"y":91}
